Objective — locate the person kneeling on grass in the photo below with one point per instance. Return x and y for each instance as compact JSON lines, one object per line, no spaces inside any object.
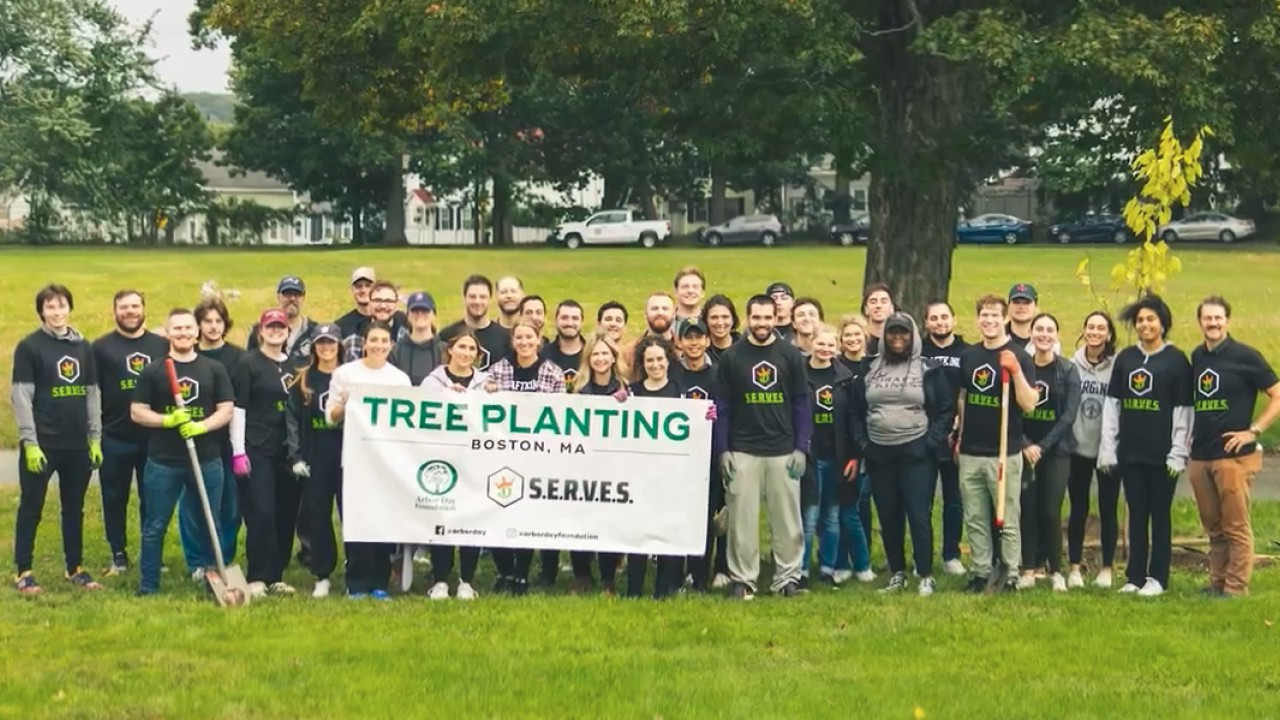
{"x":902,"y":415}
{"x":368,"y":564}
{"x":1047,"y":445}
{"x":208,"y":404}
{"x":457,"y":375}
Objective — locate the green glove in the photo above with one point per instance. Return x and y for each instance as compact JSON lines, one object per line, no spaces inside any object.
{"x":95,"y":454}
{"x":176,"y":418}
{"x":192,"y":429}
{"x":36,"y":461}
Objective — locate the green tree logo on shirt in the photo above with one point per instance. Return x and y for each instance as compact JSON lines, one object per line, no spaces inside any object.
{"x":1208,"y":383}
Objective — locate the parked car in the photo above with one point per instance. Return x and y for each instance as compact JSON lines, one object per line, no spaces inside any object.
{"x":612,"y":227}
{"x":764,"y":230}
{"x":994,"y":228}
{"x":1207,"y":226}
{"x":855,"y":232}
{"x":1102,"y":227}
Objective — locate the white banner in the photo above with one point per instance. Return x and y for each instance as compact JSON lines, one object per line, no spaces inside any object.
{"x":526,"y":470}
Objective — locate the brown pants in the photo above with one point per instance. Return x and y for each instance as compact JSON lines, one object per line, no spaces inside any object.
{"x":1222,"y":494}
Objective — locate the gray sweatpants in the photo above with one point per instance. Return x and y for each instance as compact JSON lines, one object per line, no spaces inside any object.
{"x":755,"y":475}
{"x":978,"y":490}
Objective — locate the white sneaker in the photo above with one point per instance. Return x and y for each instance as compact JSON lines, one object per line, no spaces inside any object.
{"x":257,"y":590}
{"x":866,"y":576}
{"x":1075,"y":579}
{"x":466,"y":592}
{"x":1059,"y":582}
{"x":197,"y":575}
{"x":1026,"y":582}
{"x":1104,"y":578}
{"x":1152,"y":588}
{"x":841,"y":576}
{"x":953,"y":567}
{"x":421,"y":556}
{"x":439,"y":591}
{"x":720,"y":581}
{"x":1129,"y":589}
{"x":926,"y":587}
{"x":281,"y":588}
{"x":322,"y":589}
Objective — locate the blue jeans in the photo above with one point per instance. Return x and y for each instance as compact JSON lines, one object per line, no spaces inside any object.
{"x":855,"y":553}
{"x":226,"y":512}
{"x":163,"y":485}
{"x":828,"y":512}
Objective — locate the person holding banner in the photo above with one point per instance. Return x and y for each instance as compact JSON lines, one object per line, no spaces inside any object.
{"x":314,"y":450}
{"x":523,"y":371}
{"x":458,"y":374}
{"x":368,"y":564}
{"x":766,"y":423}
{"x":601,"y":374}
{"x":656,"y":357}
{"x":698,"y":378}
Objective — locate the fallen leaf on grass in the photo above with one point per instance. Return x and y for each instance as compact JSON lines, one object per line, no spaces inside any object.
{"x":1268,"y":623}
{"x":919,"y":713}
{"x":61,"y":695}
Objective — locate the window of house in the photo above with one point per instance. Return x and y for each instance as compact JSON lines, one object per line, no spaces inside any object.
{"x":328,"y":228}
{"x":419,"y":216}
{"x":297,"y":230}
{"x":859,"y":199}
{"x":733,"y":207}
{"x":696,"y":212}
{"x":274,"y":231}
{"x":444,"y":217}
{"x":191,"y":230}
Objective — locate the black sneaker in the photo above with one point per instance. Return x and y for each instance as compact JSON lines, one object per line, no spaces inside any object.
{"x":977,"y":584}
{"x":502,"y":585}
{"x":897,"y":583}
{"x":119,"y":565}
{"x":791,"y":589}
{"x":828,"y":579}
{"x":740,"y":591}
{"x":1010,"y":585}
{"x":804,"y":583}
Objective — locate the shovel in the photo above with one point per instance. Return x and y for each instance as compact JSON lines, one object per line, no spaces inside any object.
{"x":227,"y":583}
{"x":1001,"y":569}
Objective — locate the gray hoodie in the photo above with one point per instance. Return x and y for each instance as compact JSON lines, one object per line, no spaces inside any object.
{"x":1093,"y":398}
{"x":895,"y":394}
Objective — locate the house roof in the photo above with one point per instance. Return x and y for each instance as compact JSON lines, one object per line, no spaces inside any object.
{"x":424,"y":196}
{"x":218,"y":175}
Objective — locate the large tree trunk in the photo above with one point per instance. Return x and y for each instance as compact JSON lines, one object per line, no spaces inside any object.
{"x":617,"y":190}
{"x":914,"y":177}
{"x":393,"y":232}
{"x":648,"y":204}
{"x":715,"y":204}
{"x":501,"y":221}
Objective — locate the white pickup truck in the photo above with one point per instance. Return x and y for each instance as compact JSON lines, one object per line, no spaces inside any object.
{"x":612,"y":227}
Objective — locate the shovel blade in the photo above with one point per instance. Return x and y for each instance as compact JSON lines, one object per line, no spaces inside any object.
{"x":230,"y":590}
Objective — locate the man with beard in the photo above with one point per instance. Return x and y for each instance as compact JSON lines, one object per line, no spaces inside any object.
{"x":510,"y":292}
{"x":495,"y":340}
{"x":784,"y":299}
{"x":877,"y":306}
{"x":291,"y":294}
{"x":659,"y":316}
{"x":121,"y":355}
{"x":764,"y":426}
{"x":534,"y":309}
{"x":690,"y":287}
{"x":1023,"y":308}
{"x":944,"y":347}
{"x":566,"y":350}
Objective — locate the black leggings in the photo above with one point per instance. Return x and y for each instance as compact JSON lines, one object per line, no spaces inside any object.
{"x":442,"y":563}
{"x":322,"y":490}
{"x":1079,"y":480}
{"x":1149,"y":491}
{"x":72,"y":467}
{"x":667,"y":579}
{"x":269,"y":498}
{"x":513,"y":564}
{"x":1043,"y":486}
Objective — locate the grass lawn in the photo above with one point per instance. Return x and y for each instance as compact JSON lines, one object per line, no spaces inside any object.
{"x":844,"y":653}
{"x":170,"y":278}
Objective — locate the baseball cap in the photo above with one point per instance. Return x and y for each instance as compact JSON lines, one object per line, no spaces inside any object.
{"x":274,"y":316}
{"x":1023,"y":291}
{"x":363,"y":273}
{"x":899,"y":321}
{"x":692,"y":325}
{"x":326,"y":331}
{"x":779,"y":287}
{"x":421,"y":300}
{"x":291,"y":283}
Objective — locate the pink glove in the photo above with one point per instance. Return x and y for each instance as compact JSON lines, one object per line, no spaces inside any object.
{"x":711,"y":412}
{"x":240,"y":465}
{"x":621,"y":395}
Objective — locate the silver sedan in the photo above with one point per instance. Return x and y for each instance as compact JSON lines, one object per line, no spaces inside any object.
{"x":1207,"y":226}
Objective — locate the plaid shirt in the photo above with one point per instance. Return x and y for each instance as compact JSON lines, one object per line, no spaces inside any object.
{"x":550,"y":376}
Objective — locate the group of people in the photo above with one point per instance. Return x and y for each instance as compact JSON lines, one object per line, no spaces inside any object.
{"x":823,"y":421}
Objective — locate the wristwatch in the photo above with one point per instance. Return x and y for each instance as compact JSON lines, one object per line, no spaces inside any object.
{"x":1255,"y":429}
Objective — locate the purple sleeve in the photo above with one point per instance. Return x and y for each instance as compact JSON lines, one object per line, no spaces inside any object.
{"x":802,"y":421}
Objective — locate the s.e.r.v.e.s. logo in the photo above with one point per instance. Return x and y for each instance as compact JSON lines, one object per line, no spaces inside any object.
{"x":505,"y":487}
{"x":764,"y":375}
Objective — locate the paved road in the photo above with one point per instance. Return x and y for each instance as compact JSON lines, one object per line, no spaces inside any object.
{"x":1265,"y":487}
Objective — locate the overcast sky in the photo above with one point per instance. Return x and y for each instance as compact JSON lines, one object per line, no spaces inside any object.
{"x":190,"y":70}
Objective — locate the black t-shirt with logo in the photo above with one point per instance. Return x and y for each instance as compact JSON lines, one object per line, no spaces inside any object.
{"x":1037,"y":423}
{"x":947,"y":358}
{"x":759,"y":384}
{"x":318,"y":439}
{"x":700,"y":384}
{"x":1227,"y":380}
{"x":822,"y":380}
{"x":980,"y":378}
{"x":62,"y":372}
{"x":204,"y":384}
{"x":567,"y":362}
{"x":670,"y":390}
{"x":1149,"y":388}
{"x":120,"y":361}
{"x":495,"y":342}
{"x":262,"y":390}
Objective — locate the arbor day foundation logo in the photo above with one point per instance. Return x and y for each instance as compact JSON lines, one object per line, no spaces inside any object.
{"x":190,"y":390}
{"x":437,"y":477}
{"x":1141,"y":381}
{"x":68,"y":369}
{"x":136,"y":362}
{"x":506,"y":487}
{"x":984,"y":378}
{"x":764,"y":375}
{"x":1208,"y":383}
